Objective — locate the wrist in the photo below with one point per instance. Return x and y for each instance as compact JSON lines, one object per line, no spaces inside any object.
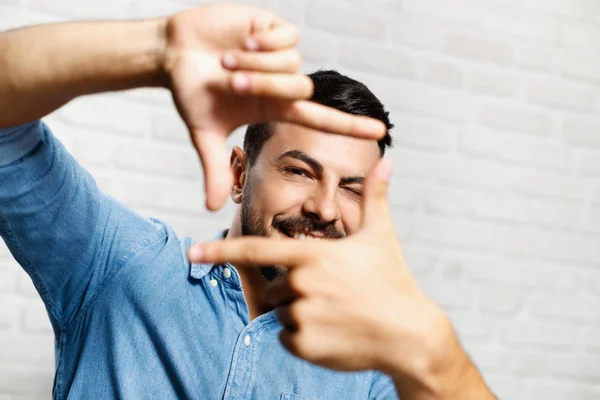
{"x":437,"y":368}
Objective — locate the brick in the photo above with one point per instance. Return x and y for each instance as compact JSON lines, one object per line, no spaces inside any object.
{"x":421,"y":260}
{"x":97,"y":10}
{"x":548,"y":337}
{"x":514,"y":149}
{"x":377,"y":58}
{"x":502,"y":273}
{"x":566,"y":308}
{"x":573,"y":8}
{"x":450,"y":295}
{"x":169,"y":126}
{"x":579,"y":34}
{"x":575,"y":247}
{"x":446,"y":104}
{"x":589,"y":163}
{"x":581,"y":64}
{"x":460,"y":234}
{"x":26,"y":287}
{"x":562,"y":94}
{"x":576,"y":367}
{"x":154,"y":9}
{"x":457,"y":11}
{"x":478,"y":49}
{"x":537,"y":57}
{"x":12,"y":16}
{"x":418,"y":33}
{"x":19,"y":348}
{"x":107,"y":114}
{"x":422,"y":133}
{"x":10,"y":309}
{"x":493,"y":83}
{"x":512,"y":21}
{"x":553,"y":186}
{"x":29,"y":381}
{"x":501,"y":302}
{"x":443,"y":74}
{"x":346,"y":21}
{"x":504,"y":386}
{"x":556,"y":390}
{"x":522,"y":364}
{"x":35,"y":320}
{"x":97,"y":148}
{"x":592,"y":340}
{"x":474,"y":329}
{"x":565,"y":279}
{"x":557,"y":215}
{"x":515,"y":119}
{"x":316,"y":47}
{"x":404,"y":194}
{"x":583,"y":131}
{"x":168,"y":160}
{"x":293,"y":11}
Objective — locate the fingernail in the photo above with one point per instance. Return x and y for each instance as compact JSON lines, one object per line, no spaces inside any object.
{"x":385,"y":170}
{"x":195,"y":253}
{"x":229,"y":61}
{"x":241,"y":82}
{"x":251,"y":44}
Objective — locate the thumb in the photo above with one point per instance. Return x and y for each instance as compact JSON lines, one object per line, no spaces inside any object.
{"x":376,"y":208}
{"x":215,"y":161}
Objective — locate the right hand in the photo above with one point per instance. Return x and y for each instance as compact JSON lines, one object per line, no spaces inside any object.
{"x":215,"y":96}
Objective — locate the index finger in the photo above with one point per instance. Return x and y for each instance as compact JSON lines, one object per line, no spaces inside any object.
{"x":327,"y":119}
{"x":254,"y":251}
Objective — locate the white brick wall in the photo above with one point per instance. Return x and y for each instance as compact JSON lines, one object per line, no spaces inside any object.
{"x":496,"y":190}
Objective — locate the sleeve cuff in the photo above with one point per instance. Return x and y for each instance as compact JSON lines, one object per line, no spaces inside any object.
{"x":19,"y":141}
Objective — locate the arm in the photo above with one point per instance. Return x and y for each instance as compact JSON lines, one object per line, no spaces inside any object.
{"x":226,"y":65}
{"x":376,"y":318}
{"x":67,"y":60}
{"x":445,"y":372}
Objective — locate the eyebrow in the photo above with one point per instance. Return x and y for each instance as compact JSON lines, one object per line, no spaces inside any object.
{"x":317,"y":166}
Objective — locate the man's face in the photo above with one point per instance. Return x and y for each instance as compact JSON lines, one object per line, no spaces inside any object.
{"x":306,"y":185}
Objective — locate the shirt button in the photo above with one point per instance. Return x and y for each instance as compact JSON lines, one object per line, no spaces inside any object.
{"x":247,"y":340}
{"x":226,"y":273}
{"x":213,"y":282}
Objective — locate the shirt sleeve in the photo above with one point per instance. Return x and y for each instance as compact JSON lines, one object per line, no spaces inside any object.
{"x":64,"y":232}
{"x":382,"y":388}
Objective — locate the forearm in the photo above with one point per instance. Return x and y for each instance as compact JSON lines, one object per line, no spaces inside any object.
{"x":463,"y":382}
{"x":441,"y":369}
{"x":43,"y":67}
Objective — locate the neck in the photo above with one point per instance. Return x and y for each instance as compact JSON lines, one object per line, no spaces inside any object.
{"x":253,"y":284}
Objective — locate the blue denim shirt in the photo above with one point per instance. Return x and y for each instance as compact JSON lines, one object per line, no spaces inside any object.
{"x":131,"y":317}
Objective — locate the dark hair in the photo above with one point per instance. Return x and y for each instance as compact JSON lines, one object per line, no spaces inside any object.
{"x":334,"y":90}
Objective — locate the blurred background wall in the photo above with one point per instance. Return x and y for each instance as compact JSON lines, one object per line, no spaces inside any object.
{"x":496,"y":191}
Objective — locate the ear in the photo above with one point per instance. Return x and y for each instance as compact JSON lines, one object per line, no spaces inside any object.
{"x":238,"y":166}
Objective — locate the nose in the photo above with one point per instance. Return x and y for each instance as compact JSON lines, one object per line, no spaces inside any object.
{"x":322,"y":206}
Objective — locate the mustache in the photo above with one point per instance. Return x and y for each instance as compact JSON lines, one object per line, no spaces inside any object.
{"x":304,"y":224}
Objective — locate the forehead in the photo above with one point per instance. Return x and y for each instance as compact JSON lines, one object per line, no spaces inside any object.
{"x":343,"y":154}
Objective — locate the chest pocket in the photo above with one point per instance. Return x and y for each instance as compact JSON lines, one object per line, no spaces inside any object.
{"x":293,"y":396}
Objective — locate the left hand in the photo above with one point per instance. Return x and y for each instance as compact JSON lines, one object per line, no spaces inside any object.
{"x":347,"y":304}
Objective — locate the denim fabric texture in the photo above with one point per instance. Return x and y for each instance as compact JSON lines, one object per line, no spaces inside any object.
{"x":132,"y":318}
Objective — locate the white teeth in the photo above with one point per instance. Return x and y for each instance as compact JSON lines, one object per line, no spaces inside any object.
{"x":296,"y":235}
{"x":302,"y":236}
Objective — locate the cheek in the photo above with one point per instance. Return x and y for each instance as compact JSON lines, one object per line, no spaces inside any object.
{"x":278,"y":196}
{"x":351,"y":215}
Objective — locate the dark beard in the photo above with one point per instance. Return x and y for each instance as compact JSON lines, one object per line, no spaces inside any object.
{"x":251,"y":225}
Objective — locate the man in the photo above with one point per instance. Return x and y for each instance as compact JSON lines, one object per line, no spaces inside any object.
{"x":347,"y":304}
{"x":132,"y":318}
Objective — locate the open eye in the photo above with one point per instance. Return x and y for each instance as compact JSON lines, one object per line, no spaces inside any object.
{"x":295,"y":171}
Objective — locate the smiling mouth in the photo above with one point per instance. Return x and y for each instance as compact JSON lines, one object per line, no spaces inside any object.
{"x":301,"y":235}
